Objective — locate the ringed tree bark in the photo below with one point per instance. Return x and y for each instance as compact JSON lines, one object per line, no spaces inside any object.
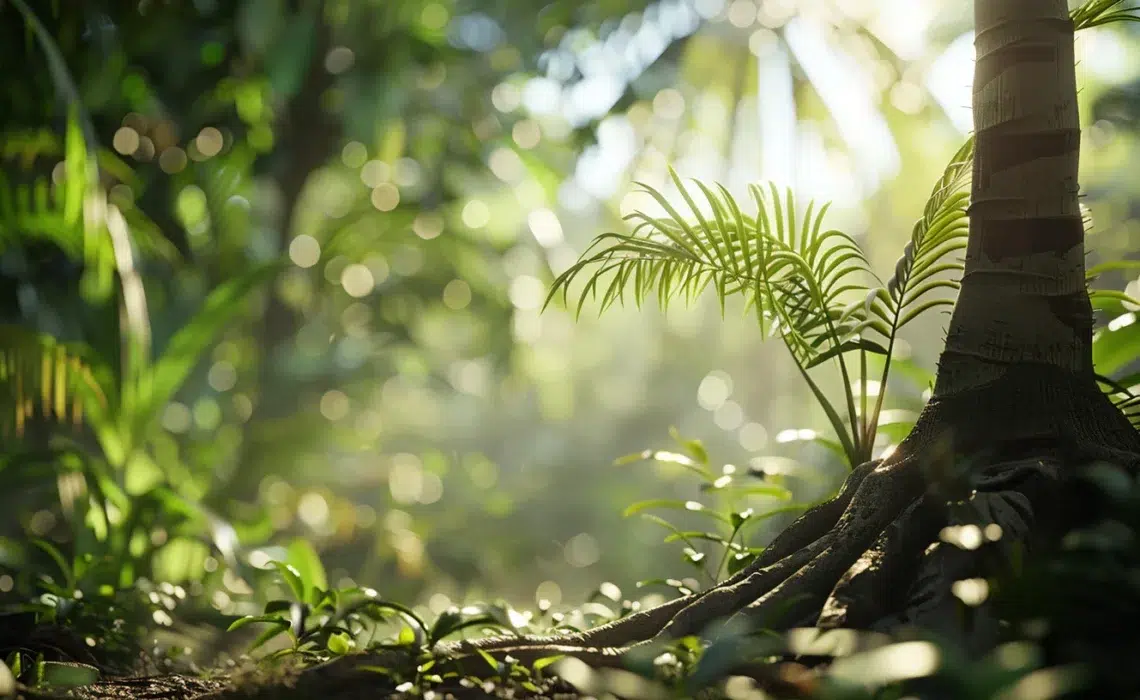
{"x":1016,"y":406}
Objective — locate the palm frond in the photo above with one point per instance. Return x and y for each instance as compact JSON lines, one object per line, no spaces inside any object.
{"x":792,"y":272}
{"x":1126,"y":401}
{"x":107,"y":240}
{"x":42,"y":378}
{"x":1096,"y":13}
{"x":923,"y":267}
{"x":32,"y":207}
{"x":36,"y":209}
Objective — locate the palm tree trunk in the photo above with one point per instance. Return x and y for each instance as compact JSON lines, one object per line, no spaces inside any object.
{"x":1023,"y":297}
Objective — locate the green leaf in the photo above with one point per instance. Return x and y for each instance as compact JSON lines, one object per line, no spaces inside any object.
{"x":385,"y":605}
{"x":695,"y":448}
{"x":666,"y":458}
{"x":447,"y":622}
{"x":292,"y":580}
{"x":742,"y":489}
{"x":407,"y":636}
{"x":1113,"y":350}
{"x":68,"y":674}
{"x":276,"y":630}
{"x":740,"y":560}
{"x":303,"y":557}
{"x":277,"y":606}
{"x":761,"y":517}
{"x":489,"y":659}
{"x":298,"y":615}
{"x":673,"y":504}
{"x":853,"y":345}
{"x":272,"y":619}
{"x":65,"y":569}
{"x":339,"y":643}
{"x":546,"y":661}
{"x":1095,"y":13}
{"x":186,"y":348}
{"x":941,"y":231}
{"x":458,"y":624}
{"x":1111,"y":266}
{"x":687,"y":535}
{"x":672,"y":583}
{"x":15,"y":664}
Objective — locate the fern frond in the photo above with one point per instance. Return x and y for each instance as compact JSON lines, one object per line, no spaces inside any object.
{"x":42,"y":378}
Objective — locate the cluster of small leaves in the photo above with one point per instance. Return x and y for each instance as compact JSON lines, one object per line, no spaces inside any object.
{"x":72,"y":617}
{"x":320,"y":620}
{"x":729,"y":520}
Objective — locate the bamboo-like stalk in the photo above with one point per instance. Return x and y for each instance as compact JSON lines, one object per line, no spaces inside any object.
{"x":1023,"y":296}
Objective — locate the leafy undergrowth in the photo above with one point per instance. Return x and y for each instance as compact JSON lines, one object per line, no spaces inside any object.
{"x":1068,"y":624}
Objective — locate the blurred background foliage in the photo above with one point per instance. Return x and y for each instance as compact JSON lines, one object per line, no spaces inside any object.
{"x":275,"y":269}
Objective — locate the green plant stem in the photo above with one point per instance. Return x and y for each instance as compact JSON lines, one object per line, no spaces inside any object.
{"x":857,"y":438}
{"x":872,"y":421}
{"x":832,"y":416}
{"x":864,"y":427}
{"x":727,"y":550}
{"x":856,"y":448}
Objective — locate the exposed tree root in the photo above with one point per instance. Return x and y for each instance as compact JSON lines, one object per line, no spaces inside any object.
{"x":871,"y":558}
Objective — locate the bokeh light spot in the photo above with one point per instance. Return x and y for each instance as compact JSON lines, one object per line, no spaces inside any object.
{"x":428,"y":225}
{"x":357,"y":280}
{"x":304,"y":251}
{"x":339,"y":59}
{"x":207,"y":413}
{"x":385,"y":196}
{"x":375,"y":172}
{"x":313,"y":509}
{"x":753,"y":437}
{"x":669,"y":104}
{"x":476,"y":214}
{"x":526,"y":133}
{"x":457,"y":295}
{"x":506,"y":97}
{"x":527,"y":292}
{"x":506,"y":164}
{"x":222,"y":376}
{"x":209,"y":142}
{"x":434,"y":16}
{"x":176,"y":417}
{"x":582,"y":550}
{"x":172,"y":160}
{"x":334,"y":405}
{"x":126,"y":140}
{"x":354,"y":154}
{"x":546,"y":227}
{"x":714,"y":390}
